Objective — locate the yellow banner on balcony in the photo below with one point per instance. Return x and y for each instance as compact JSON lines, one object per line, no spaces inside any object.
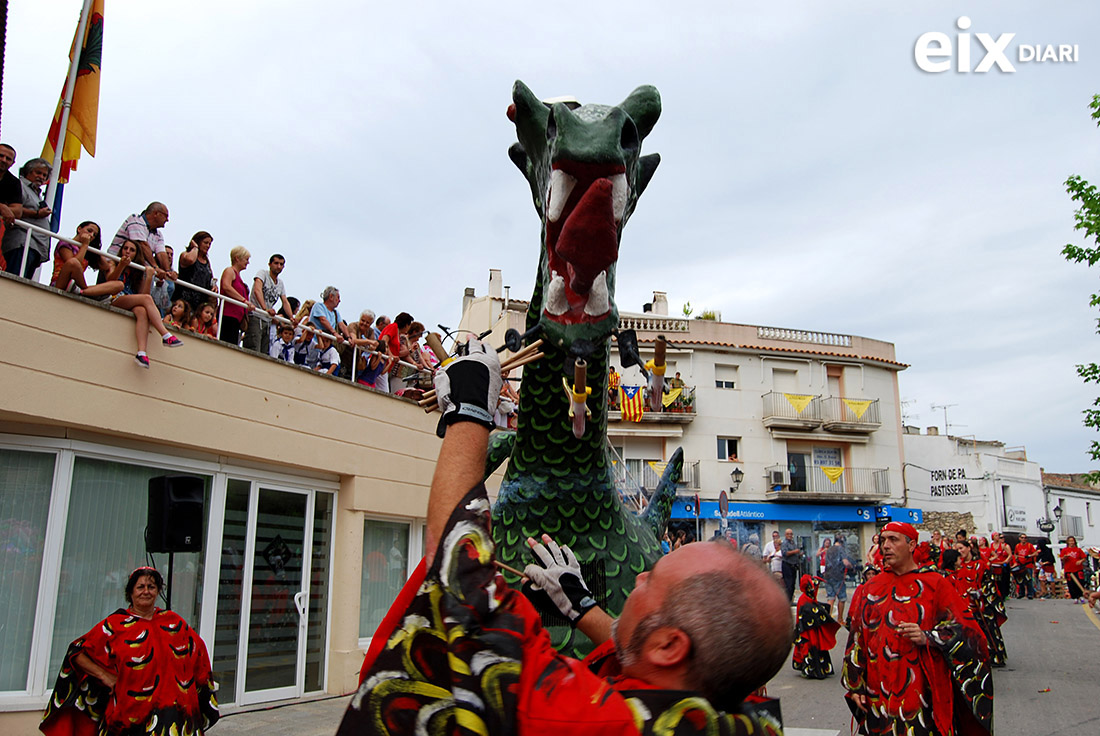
{"x":833,"y":474}
{"x":671,"y":396}
{"x":799,"y":401}
{"x":658,"y":466}
{"x":858,"y":406}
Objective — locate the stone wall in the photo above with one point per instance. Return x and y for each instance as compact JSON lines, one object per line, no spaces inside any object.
{"x":948,"y":522}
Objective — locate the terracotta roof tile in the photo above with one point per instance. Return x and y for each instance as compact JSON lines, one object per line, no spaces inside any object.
{"x":1068,"y":480}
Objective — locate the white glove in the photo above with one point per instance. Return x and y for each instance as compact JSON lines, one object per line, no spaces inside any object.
{"x":559,"y":577}
{"x":467,"y":387}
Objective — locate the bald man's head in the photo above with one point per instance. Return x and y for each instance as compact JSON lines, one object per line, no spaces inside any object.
{"x":738,"y":619}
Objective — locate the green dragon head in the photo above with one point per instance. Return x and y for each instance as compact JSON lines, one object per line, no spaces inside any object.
{"x":586,"y":174}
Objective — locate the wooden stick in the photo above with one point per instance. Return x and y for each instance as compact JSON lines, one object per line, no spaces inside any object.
{"x":531,"y":358}
{"x":525,"y":350}
{"x":513,"y":362}
{"x":429,"y":403}
{"x":512,"y":570}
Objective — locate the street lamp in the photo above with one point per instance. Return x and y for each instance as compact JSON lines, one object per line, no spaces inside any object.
{"x":1058,"y":513}
{"x":736,"y":476}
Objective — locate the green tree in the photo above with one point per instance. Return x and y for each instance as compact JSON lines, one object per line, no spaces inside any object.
{"x":1087,"y":219}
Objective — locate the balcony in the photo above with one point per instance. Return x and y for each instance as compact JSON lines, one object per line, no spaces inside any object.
{"x":678,"y":410}
{"x":857,"y":416}
{"x":650,"y":322}
{"x":858,"y":485}
{"x":791,"y":411}
{"x":689,"y":478}
{"x":637,"y":479}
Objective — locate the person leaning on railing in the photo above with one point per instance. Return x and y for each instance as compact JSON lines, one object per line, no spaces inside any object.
{"x":32,"y":176}
{"x":233,"y":286}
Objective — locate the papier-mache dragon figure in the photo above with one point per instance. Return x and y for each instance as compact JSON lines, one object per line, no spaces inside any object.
{"x":586,"y":173}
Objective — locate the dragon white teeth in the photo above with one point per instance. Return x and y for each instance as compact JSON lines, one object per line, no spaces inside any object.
{"x":556,"y":303}
{"x":561,"y":186}
{"x":619,"y":192}
{"x":598,"y":302}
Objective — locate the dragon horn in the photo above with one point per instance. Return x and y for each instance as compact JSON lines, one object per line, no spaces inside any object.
{"x":659,"y":509}
{"x":531,"y":113}
{"x":644,"y":107}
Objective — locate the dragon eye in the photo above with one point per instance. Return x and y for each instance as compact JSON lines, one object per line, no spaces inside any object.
{"x":551,"y":127}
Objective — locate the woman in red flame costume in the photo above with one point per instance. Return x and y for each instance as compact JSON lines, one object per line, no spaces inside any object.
{"x":975,"y":583}
{"x":139,"y":672}
{"x":815,"y":633}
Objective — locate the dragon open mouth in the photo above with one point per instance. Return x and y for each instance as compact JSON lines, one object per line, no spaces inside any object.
{"x":584,"y":213}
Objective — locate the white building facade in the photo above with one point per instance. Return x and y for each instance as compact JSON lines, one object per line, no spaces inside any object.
{"x":800,"y":429}
{"x":1000,"y":488}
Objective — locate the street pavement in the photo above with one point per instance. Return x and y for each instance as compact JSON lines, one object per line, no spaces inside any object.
{"x":1049,"y":685}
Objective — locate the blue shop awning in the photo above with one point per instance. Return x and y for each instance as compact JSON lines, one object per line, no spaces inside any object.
{"x":866,"y":513}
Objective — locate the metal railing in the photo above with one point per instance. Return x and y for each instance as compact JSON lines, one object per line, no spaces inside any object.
{"x":220,"y":298}
{"x":682,"y":404}
{"x":625,"y":483}
{"x":853,"y":481}
{"x":778,"y":404}
{"x":840,"y":409}
{"x":689,"y":477}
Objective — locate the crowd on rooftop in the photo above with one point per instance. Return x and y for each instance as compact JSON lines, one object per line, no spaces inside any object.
{"x":137,"y":271}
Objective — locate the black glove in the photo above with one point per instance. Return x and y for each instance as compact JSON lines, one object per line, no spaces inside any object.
{"x":467,"y":387}
{"x":557,"y":579}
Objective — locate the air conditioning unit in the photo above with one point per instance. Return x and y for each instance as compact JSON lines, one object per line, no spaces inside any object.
{"x":777,"y":478}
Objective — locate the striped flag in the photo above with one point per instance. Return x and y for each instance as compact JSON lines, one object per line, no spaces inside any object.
{"x":84,"y":114}
{"x":632,"y":400}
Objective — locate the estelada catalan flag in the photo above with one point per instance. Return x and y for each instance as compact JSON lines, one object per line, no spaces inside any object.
{"x":632,"y":401}
{"x":84,"y":114}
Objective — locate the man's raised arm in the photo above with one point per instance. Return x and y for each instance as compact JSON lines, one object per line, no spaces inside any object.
{"x":465,"y":389}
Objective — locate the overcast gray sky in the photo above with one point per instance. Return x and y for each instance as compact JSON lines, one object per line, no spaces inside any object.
{"x":812,"y":175}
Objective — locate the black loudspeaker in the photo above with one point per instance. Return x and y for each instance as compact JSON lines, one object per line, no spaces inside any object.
{"x":175,"y":514}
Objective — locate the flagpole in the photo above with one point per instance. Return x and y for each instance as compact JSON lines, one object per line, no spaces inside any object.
{"x":67,"y":103}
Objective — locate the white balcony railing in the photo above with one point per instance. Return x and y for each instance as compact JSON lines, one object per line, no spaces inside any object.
{"x":818,"y":338}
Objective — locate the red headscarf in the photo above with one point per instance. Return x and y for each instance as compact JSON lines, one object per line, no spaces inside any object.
{"x":902,"y":528}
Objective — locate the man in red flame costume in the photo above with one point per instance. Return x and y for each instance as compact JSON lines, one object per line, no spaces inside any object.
{"x":916,"y":661}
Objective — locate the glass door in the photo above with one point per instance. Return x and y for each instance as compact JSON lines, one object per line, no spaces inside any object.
{"x":277,"y":619}
{"x":271,"y":634}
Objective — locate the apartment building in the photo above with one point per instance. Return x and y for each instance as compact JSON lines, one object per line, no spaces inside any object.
{"x":800,"y":429}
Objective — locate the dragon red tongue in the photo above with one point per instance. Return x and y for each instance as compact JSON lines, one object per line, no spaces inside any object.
{"x":589,"y":239}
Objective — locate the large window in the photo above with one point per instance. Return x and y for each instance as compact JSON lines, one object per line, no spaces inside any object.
{"x":26,"y":479}
{"x":385,"y":569}
{"x":104,"y":543}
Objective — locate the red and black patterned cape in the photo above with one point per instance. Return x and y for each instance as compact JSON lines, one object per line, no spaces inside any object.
{"x":815,"y":633}
{"x":462,"y":653}
{"x":164,"y":682}
{"x":944,"y":687}
{"x":976,"y":583}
